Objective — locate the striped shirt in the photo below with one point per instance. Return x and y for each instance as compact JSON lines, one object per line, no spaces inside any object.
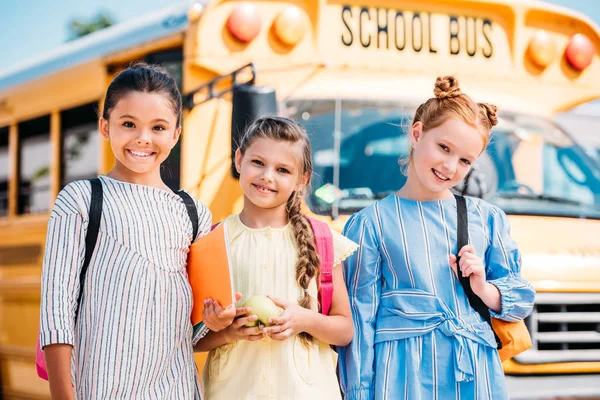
{"x":416,"y":336}
{"x":133,"y":337}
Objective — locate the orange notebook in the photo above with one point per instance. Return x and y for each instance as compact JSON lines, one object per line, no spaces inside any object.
{"x":209,"y":272}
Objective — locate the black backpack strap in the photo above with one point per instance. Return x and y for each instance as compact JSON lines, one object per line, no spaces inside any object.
{"x":92,"y":234}
{"x":463,"y":240}
{"x":190,"y":205}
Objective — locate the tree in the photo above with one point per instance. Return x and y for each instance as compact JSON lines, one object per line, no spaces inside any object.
{"x":81,"y":27}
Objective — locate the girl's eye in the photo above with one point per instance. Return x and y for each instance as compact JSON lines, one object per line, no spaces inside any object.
{"x":128,"y":124}
{"x":283,"y":171}
{"x":444,"y":147}
{"x":464,"y":160}
{"x":257,"y":162}
{"x":159,"y":128}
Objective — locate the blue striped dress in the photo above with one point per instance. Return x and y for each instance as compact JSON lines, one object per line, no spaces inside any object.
{"x":133,"y":337}
{"x":416,"y":337}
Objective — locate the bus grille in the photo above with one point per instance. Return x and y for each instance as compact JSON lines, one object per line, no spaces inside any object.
{"x":564,"y":327}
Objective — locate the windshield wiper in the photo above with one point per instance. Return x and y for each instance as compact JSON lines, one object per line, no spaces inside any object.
{"x":535,"y":196}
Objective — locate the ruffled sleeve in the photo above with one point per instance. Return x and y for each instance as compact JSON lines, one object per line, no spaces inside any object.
{"x":342,"y":247}
{"x":503,"y":261}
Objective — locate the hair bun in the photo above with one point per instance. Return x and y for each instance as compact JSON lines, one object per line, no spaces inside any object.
{"x":446,"y":87}
{"x":490,"y":111}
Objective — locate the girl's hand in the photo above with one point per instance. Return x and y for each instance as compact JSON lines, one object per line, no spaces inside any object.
{"x":472,"y":266}
{"x":216,"y":318}
{"x":289,"y":323}
{"x":238,"y":331}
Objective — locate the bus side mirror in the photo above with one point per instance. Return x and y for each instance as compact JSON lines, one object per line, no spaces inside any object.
{"x":248,"y":104}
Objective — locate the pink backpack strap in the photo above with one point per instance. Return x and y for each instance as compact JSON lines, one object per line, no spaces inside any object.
{"x":324,"y":243}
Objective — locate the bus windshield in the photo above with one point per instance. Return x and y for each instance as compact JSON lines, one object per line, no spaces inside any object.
{"x":530,"y":167}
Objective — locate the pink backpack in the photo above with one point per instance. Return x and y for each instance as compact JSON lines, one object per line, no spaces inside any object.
{"x":324,"y":243}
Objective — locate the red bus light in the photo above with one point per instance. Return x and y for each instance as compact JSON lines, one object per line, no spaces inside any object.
{"x":244,"y":22}
{"x":580,"y":52}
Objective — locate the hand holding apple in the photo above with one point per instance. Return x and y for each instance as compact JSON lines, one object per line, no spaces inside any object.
{"x":289,"y":323}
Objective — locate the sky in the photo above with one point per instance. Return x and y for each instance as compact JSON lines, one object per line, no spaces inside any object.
{"x":32,"y":27}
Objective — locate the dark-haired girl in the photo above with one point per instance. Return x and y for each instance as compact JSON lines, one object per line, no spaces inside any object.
{"x":132,"y":337}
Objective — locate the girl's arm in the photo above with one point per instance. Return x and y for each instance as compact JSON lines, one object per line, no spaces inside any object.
{"x":212,"y":340}
{"x":63,"y":259}
{"x":362,"y":272}
{"x":335,"y":329}
{"x":503,"y":261}
{"x":58,"y":364}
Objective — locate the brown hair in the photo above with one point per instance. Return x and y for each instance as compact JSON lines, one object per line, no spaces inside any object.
{"x":308,"y":264}
{"x":145,"y":78}
{"x":449,"y":101}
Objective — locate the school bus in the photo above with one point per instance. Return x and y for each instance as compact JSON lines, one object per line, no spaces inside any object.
{"x":352,"y":72}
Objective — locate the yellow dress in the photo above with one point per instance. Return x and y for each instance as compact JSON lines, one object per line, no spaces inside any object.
{"x":264,"y":264}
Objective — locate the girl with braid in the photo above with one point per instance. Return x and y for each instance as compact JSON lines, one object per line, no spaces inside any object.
{"x":273,"y":252}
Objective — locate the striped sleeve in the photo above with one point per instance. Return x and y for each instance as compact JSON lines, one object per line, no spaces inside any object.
{"x":63,"y":258}
{"x":362,"y":272}
{"x":503,"y":262}
{"x":204,"y":219}
{"x":199,"y":333}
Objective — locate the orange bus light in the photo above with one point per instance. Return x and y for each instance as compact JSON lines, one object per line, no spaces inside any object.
{"x":579,"y":52}
{"x":244,"y":22}
{"x":290,"y":25}
{"x":542,"y":48}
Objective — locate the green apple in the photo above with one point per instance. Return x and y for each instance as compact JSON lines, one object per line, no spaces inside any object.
{"x":264,"y":308}
{"x":251,"y":324}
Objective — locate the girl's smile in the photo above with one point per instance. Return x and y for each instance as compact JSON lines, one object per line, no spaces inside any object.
{"x":439,"y":175}
{"x":264,"y":189}
{"x":141,"y":154}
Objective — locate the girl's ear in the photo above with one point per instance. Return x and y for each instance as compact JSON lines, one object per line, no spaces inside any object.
{"x":416,"y":132}
{"x":303,"y":182}
{"x":238,"y":161}
{"x":103,"y":128}
{"x":305,"y":178}
{"x":176,"y":136}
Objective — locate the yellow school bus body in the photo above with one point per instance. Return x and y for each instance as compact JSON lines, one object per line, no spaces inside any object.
{"x":378,"y":50}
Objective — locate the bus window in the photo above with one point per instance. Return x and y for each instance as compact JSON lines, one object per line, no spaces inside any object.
{"x":172,"y":61}
{"x":530,"y":166}
{"x":372,"y":141}
{"x":80,"y":137}
{"x":4,"y":167}
{"x":34,"y":166}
